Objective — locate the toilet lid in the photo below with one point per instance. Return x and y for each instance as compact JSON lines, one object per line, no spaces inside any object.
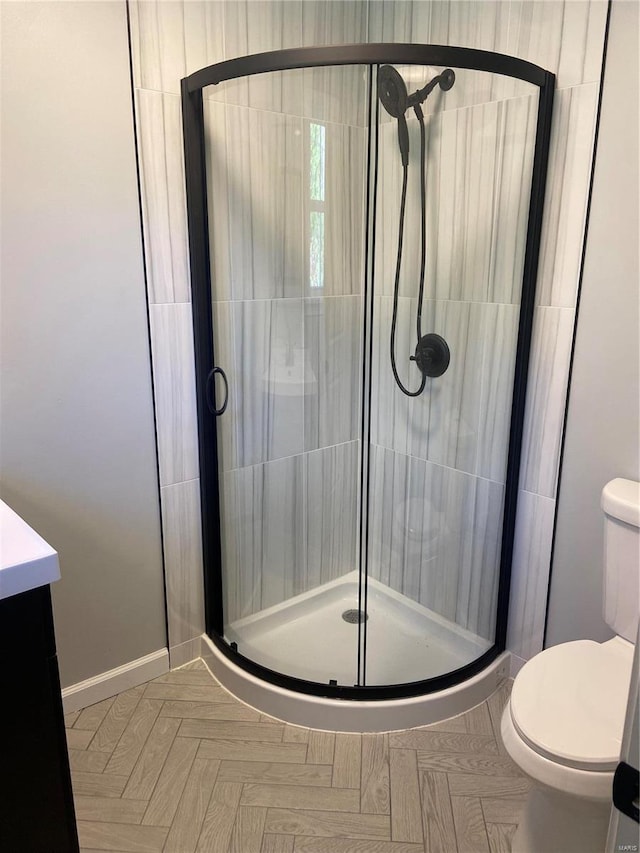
{"x":569,"y":702}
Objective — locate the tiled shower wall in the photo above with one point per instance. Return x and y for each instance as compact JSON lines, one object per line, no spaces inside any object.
{"x":171,"y":39}
{"x":439,"y":459}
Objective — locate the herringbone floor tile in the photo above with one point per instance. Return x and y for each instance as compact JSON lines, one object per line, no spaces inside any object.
{"x":181,"y":766}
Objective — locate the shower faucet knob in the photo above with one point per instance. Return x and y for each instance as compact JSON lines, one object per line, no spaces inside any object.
{"x":432,"y":355}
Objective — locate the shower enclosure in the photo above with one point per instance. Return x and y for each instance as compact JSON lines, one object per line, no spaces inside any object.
{"x":364,"y":225}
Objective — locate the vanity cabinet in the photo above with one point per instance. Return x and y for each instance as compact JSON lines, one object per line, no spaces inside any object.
{"x":36,"y":799}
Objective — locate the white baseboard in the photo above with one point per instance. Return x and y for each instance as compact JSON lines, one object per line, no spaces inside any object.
{"x":114,"y":681}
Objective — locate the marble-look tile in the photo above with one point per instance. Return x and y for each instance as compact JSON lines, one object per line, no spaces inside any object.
{"x":435,"y":537}
{"x":451,"y":437}
{"x":331,"y":512}
{"x":479,"y":163}
{"x":442,"y":424}
{"x":293,"y":368}
{"x":172,"y":39}
{"x":563,"y":37}
{"x":567,"y":193}
{"x":288,"y":526}
{"x":255,"y":26}
{"x":163,"y":196}
{"x":183,"y":560}
{"x":583,"y":28}
{"x":394,"y":416}
{"x":337,"y":94}
{"x":342,"y":208}
{"x":332,"y":350}
{"x":530,"y":574}
{"x":499,"y":337}
{"x":515,"y":138}
{"x":546,"y":398}
{"x":268,"y":380}
{"x":391,"y":21}
{"x":175,"y":396}
{"x":262,"y":532}
{"x":255,"y":196}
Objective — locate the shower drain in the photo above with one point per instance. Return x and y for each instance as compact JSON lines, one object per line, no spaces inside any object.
{"x":354,"y":616}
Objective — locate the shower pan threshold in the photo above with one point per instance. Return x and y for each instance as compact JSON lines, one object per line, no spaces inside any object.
{"x":406,"y":642}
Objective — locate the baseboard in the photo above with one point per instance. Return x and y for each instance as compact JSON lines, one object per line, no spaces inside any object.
{"x":114,"y":681}
{"x":185,"y":652}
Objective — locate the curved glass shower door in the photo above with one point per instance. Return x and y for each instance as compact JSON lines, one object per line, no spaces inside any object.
{"x":364,"y":241}
{"x":438,"y":460}
{"x":286,"y":156}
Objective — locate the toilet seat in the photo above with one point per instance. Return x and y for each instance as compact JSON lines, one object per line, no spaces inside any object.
{"x":568,"y":703}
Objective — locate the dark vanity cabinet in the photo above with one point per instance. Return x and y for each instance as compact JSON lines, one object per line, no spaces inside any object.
{"x":36,"y":801}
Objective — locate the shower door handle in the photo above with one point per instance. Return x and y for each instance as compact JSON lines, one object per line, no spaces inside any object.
{"x":209,"y":391}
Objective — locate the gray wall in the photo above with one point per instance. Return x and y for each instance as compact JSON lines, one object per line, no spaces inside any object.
{"x":77,"y":453}
{"x":602,"y":438}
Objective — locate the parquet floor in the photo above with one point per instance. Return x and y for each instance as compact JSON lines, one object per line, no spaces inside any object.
{"x":180,"y":765}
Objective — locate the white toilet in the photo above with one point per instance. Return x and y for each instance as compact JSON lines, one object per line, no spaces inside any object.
{"x":563,"y":723}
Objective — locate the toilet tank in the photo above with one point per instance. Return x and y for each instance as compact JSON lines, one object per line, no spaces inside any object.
{"x":621,"y":505}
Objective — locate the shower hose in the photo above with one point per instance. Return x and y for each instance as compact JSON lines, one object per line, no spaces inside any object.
{"x":423,"y":256}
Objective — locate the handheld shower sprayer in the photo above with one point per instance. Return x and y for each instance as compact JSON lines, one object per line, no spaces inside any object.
{"x":432,"y":353}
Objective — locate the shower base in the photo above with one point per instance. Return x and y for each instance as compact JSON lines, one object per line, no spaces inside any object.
{"x":406,"y":642}
{"x":307,"y":637}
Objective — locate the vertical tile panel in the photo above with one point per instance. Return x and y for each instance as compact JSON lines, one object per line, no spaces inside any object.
{"x":516,"y":132}
{"x":477,"y":610}
{"x":263,"y":535}
{"x":546,"y":395}
{"x":530,"y":574}
{"x":332,"y":354}
{"x":242,"y":546}
{"x":283,"y":551}
{"x":331,"y":484}
{"x":455,"y":396}
{"x":344,"y":181}
{"x":596,"y":25}
{"x":335,"y":94}
{"x":183,"y":560}
{"x":271,"y":374}
{"x":582,"y":39}
{"x":157,"y":31}
{"x":397,"y":421}
{"x":174,"y":382}
{"x":570,"y":158}
{"x":228,"y":219}
{"x":255,"y":186}
{"x":272,"y":26}
{"x":163,"y":196}
{"x":390,"y":21}
{"x":499,"y":339}
{"x":254,"y":27}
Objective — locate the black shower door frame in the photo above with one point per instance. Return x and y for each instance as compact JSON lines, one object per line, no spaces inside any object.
{"x":199,"y":257}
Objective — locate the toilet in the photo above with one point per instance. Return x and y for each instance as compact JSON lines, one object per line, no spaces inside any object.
{"x":564,"y":720}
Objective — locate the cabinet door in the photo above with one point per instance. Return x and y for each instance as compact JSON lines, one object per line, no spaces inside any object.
{"x":36,"y":801}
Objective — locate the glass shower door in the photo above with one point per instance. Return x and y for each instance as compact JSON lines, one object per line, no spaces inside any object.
{"x":438,"y":459}
{"x":285,"y":166}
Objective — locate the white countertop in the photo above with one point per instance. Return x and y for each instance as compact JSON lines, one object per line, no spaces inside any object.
{"x":26,"y":560}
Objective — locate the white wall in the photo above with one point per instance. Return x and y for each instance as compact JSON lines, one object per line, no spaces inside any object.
{"x":77,"y":455}
{"x":602,"y":437}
